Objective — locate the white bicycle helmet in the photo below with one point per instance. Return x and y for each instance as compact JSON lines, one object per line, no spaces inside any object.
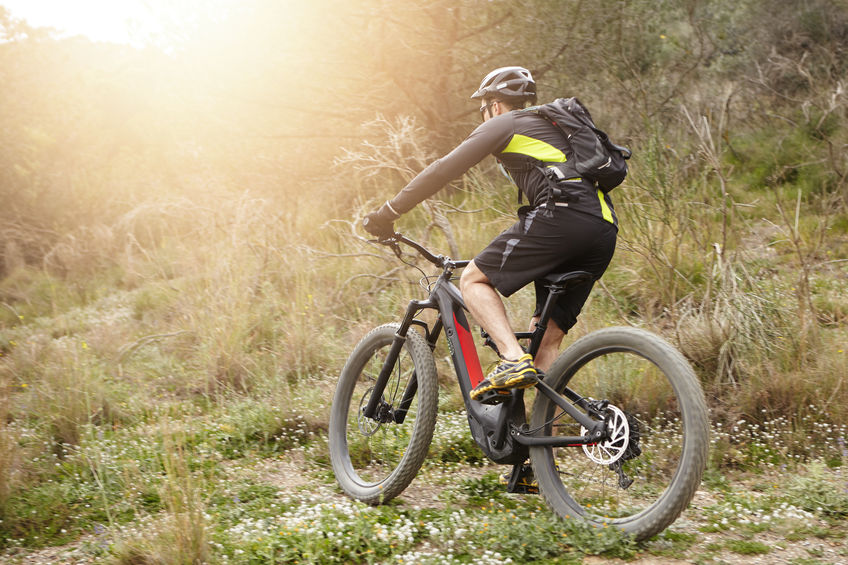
{"x":514,"y":83}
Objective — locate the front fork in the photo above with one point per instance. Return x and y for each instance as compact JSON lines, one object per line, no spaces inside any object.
{"x":377,"y":409}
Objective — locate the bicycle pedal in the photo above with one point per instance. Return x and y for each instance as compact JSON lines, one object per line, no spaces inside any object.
{"x":522,"y":487}
{"x":520,"y":481}
{"x":494,"y":396}
{"x":526,"y":489}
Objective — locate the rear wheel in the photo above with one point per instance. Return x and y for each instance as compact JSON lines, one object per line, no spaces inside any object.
{"x":645,"y":474}
{"x":374,"y":459}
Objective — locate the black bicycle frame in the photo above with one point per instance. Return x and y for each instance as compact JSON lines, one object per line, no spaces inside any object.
{"x":500,"y":429}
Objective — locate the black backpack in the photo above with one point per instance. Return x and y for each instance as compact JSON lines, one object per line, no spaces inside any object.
{"x":595,"y":156}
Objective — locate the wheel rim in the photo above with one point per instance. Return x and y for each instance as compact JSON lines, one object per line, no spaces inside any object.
{"x":376,"y":448}
{"x":632,"y":471}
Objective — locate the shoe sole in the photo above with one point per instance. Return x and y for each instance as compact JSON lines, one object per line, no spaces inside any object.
{"x":521,"y":381}
{"x":515,"y":383}
{"x":493,"y":397}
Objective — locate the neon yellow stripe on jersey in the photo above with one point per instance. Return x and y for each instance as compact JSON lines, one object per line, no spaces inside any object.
{"x":535,"y":148}
{"x":605,"y":209}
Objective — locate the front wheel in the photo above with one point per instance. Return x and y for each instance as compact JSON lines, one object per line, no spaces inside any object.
{"x":646,"y":472}
{"x":374,"y":459}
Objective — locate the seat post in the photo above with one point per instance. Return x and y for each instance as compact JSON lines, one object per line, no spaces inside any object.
{"x":556,"y":283}
{"x":544,"y":316}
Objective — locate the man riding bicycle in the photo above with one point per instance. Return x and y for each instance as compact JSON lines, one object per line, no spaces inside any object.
{"x":571,"y":229}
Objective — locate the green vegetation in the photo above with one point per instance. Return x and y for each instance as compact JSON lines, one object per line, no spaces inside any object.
{"x":745,"y":547}
{"x":182,"y":276}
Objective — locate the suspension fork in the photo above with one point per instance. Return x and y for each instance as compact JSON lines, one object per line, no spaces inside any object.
{"x":376,"y":397}
{"x":412,"y":385}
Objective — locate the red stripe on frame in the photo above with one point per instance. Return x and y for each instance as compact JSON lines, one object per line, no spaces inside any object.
{"x":469,"y":352}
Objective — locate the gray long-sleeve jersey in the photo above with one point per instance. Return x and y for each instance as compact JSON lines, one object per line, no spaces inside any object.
{"x":520,"y":140}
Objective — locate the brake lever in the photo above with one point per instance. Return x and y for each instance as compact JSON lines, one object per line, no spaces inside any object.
{"x":392,"y":241}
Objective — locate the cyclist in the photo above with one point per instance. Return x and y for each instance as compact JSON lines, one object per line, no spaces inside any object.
{"x":575,"y":230}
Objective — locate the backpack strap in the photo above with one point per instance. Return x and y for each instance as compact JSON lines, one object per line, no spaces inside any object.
{"x":523,"y":167}
{"x":555,"y":192}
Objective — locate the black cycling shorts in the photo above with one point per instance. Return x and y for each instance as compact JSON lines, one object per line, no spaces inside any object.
{"x":546,"y":241}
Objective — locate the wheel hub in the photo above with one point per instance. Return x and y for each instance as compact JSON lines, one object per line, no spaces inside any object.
{"x":368,"y":426}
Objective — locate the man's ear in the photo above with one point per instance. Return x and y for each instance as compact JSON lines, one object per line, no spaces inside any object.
{"x":503,"y":108}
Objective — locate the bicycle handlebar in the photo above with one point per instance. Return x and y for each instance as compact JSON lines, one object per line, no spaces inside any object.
{"x":439,"y":260}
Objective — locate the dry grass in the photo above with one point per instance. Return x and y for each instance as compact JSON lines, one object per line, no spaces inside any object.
{"x":9,"y":450}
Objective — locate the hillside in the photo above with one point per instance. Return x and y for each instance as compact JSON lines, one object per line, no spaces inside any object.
{"x":182,"y":272}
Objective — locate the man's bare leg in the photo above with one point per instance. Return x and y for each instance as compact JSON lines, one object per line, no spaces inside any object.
{"x":549,"y":348}
{"x":488,"y":310}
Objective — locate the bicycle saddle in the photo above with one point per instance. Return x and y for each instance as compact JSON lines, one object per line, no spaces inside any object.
{"x":566,"y":280}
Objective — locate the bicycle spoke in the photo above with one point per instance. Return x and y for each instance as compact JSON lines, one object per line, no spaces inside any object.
{"x":613,"y":479}
{"x":377,"y":445}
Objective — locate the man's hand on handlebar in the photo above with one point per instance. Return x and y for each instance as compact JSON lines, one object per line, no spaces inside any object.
{"x":381,"y":222}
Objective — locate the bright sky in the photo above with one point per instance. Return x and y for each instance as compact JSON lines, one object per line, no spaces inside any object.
{"x":117,"y":21}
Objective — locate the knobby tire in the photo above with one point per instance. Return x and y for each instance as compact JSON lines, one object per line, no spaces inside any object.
{"x":655,"y":387}
{"x":374,"y":462}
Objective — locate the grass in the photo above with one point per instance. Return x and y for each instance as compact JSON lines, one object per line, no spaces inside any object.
{"x":746,"y":547}
{"x":136,"y":422}
{"x":175,"y":490}
{"x":166,"y":401}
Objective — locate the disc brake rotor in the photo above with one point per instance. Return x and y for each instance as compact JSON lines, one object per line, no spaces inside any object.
{"x":612,"y":449}
{"x":368,"y":426}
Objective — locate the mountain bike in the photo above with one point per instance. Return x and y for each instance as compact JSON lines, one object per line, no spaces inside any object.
{"x":618,"y":431}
